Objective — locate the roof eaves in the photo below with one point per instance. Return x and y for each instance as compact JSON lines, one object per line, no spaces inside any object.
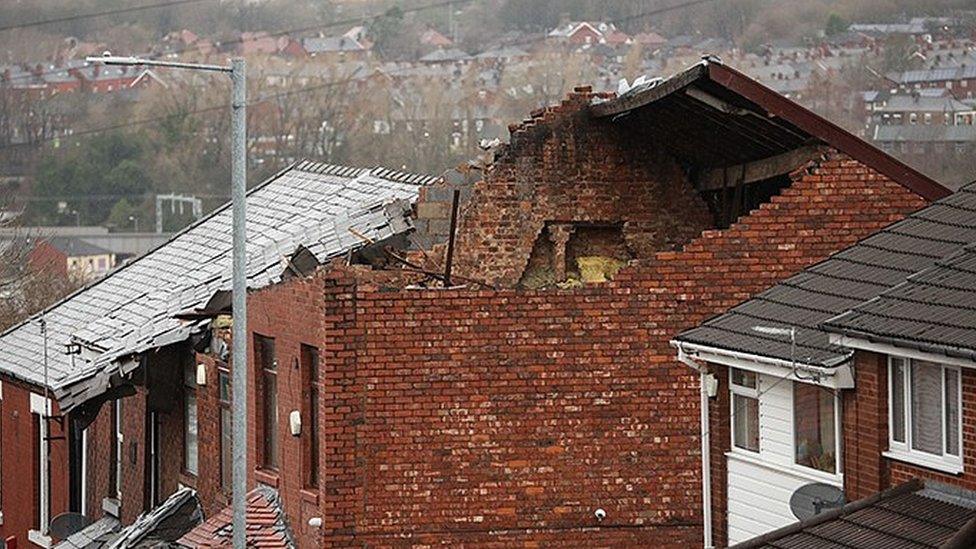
{"x":829,"y":132}
{"x":915,"y":343}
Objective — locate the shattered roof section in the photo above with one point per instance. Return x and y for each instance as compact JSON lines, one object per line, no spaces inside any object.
{"x":265,"y":519}
{"x":94,"y":536}
{"x":914,"y":515}
{"x":133,"y":309}
{"x":168,"y":522}
{"x":933,"y":310}
{"x":842,"y":282}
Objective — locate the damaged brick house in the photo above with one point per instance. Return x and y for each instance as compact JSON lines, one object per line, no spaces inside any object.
{"x":511,"y":408}
{"x":856,"y":374}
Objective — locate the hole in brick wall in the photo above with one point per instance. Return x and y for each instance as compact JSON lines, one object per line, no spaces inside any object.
{"x":573,"y":254}
{"x":539,"y":273}
{"x":729,"y":204}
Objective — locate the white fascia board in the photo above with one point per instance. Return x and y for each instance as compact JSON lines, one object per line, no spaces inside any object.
{"x":894,"y":350}
{"x":840,"y":377}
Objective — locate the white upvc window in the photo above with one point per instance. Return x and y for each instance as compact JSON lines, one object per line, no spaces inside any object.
{"x":744,"y":402}
{"x":924,"y":413}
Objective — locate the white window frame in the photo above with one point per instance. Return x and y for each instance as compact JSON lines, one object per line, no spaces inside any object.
{"x":903,"y":451}
{"x":748,"y":392}
{"x":41,"y":407}
{"x":838,"y":473}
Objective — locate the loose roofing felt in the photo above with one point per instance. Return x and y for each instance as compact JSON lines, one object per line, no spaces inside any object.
{"x":840,"y":283}
{"x":133,"y":309}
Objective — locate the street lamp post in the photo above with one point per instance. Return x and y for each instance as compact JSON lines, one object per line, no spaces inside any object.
{"x":236,"y":70}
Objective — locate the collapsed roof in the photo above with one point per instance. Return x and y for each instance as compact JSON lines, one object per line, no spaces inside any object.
{"x":722,"y":124}
{"x":134,"y":309}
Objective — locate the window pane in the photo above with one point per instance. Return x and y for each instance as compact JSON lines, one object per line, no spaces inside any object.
{"x":190,"y":433}
{"x":813,"y":420}
{"x":898,"y":400}
{"x":190,"y":375}
{"x":270,"y":420}
{"x":744,"y":378}
{"x":226,"y":449}
{"x":926,"y":407}
{"x":223,"y":381}
{"x":952,"y":411}
{"x":745,"y":432}
{"x":313,"y":472}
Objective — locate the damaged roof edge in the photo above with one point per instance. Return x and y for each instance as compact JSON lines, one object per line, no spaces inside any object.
{"x":37,"y":316}
{"x":777,"y":105}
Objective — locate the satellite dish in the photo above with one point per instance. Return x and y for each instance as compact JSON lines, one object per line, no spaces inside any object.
{"x":67,"y":524}
{"x":812,"y":499}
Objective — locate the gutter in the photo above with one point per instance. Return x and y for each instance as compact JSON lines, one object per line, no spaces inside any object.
{"x":706,"y":465}
{"x":835,"y":376}
{"x":840,"y":335}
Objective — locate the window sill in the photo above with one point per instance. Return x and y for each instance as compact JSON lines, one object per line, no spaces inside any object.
{"x":112,"y":506}
{"x":798,"y":471}
{"x":267,"y":476}
{"x":309,"y":495}
{"x":39,"y":539}
{"x":929,"y":462}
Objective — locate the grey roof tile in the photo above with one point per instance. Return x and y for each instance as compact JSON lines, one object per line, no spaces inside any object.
{"x":852,"y":276}
{"x":127,"y":311}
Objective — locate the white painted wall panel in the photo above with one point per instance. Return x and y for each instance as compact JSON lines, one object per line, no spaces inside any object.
{"x":760,"y":485}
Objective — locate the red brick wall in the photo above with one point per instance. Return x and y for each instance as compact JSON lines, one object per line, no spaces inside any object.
{"x":866,"y":433}
{"x":293,"y":314}
{"x":18,"y":470}
{"x":506,"y":414}
{"x":564,"y":166}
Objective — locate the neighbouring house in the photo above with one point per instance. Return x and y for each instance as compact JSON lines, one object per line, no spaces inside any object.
{"x":431,"y":37}
{"x":918,"y":108}
{"x":924,"y":142}
{"x":960,"y":80}
{"x":121,"y":447}
{"x":527,"y":395}
{"x":854,"y":374}
{"x":352,"y":45}
{"x":73,"y":257}
{"x":585,"y":32}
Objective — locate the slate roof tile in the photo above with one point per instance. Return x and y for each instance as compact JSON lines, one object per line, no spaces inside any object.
{"x":131,"y":309}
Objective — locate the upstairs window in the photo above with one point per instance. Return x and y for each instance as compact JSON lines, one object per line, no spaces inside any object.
{"x":190,"y":431}
{"x":267,"y":369}
{"x":745,"y":409}
{"x":226,"y":431}
{"x":925,"y":406}
{"x":310,"y":383}
{"x":815,"y":422}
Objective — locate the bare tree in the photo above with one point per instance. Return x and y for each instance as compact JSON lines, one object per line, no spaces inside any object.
{"x":27,"y":282}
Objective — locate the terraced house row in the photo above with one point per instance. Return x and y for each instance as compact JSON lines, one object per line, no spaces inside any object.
{"x":530,"y":393}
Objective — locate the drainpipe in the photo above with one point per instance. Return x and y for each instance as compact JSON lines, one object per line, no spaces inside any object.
{"x":706,"y":464}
